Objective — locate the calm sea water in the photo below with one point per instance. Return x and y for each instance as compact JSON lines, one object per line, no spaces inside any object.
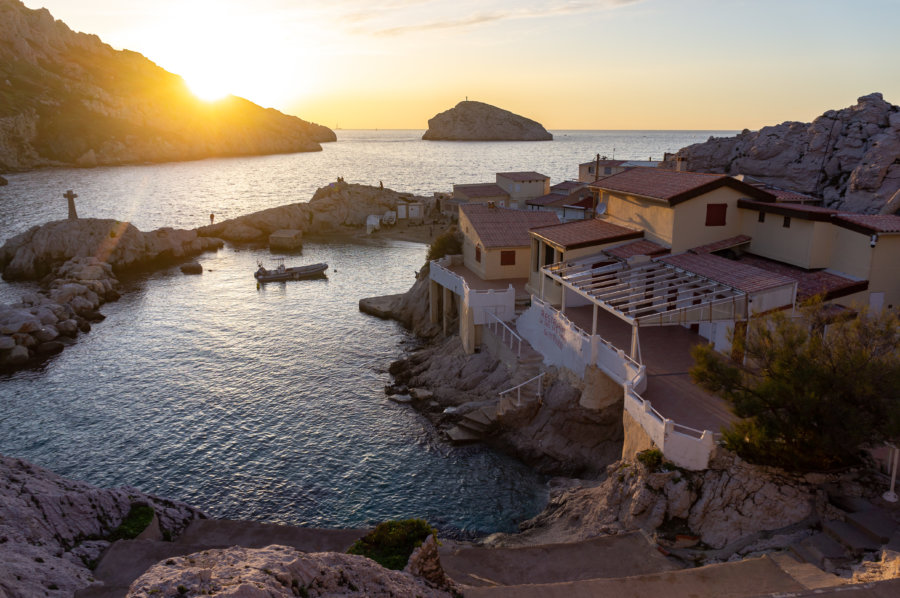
{"x":268,"y":403}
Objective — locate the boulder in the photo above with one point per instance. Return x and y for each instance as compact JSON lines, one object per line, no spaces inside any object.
{"x":192,"y":268}
{"x":17,"y":355}
{"x":477,"y":121}
{"x":3,"y":182}
{"x":276,"y":571}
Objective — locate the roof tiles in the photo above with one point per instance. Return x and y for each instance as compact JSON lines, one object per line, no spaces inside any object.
{"x":584,"y":233}
{"x":737,"y":275}
{"x":499,"y":227}
{"x":674,"y":186}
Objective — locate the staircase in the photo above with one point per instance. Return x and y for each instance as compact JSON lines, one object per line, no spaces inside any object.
{"x":126,"y":560}
{"x":475,"y":425}
{"x":865,"y":528}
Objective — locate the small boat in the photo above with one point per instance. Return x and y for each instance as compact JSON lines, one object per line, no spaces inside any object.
{"x":280,"y":272}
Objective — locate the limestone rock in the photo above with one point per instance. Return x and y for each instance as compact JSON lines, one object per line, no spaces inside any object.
{"x":425,"y":563}
{"x":477,"y":121}
{"x":849,"y":157}
{"x":730,"y":501}
{"x":192,"y":268}
{"x":3,"y":182}
{"x":45,"y":520}
{"x":275,"y":571}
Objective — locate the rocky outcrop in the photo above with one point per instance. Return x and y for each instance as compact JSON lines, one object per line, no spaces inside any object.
{"x":41,"y":249}
{"x":52,"y":528}
{"x":3,"y":181}
{"x":849,"y":157}
{"x":64,"y":106}
{"x":336,"y":208}
{"x":721,"y":505}
{"x":477,"y":121}
{"x":276,"y":571}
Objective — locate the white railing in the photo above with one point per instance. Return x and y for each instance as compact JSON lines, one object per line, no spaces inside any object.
{"x":499,"y":303}
{"x":563,"y":343}
{"x":507,"y":335}
{"x":518,"y":389}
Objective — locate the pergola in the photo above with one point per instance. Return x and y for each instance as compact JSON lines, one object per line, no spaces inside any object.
{"x":643,"y":292}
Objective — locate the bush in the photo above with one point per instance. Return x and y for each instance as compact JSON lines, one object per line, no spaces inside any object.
{"x":137,"y":520}
{"x":447,"y":244}
{"x":391,"y":542}
{"x":651,"y":458}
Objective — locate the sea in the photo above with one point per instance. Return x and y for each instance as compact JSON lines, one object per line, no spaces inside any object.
{"x":267,"y":403}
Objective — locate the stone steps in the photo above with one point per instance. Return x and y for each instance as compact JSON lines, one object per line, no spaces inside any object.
{"x":850,"y":536}
{"x":823,"y":551}
{"x":807,"y":574}
{"x":875,"y":523}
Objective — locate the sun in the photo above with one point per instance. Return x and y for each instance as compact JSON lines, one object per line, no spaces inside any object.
{"x":207,"y":84}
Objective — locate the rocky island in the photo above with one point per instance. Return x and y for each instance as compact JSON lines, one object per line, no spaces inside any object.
{"x":849,"y":157}
{"x":477,"y":121}
{"x":69,"y":99}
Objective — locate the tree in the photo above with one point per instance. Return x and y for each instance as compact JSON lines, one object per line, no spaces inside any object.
{"x":815,"y":390}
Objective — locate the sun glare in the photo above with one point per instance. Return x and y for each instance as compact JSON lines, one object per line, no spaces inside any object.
{"x":207,"y":85}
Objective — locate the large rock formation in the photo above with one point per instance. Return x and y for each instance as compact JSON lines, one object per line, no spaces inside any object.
{"x":71,"y":99}
{"x":850,"y":157}
{"x":276,"y":571}
{"x":338,"y":207}
{"x":52,"y":528}
{"x":477,"y":121}
{"x":36,"y":252}
{"x":723,"y":504}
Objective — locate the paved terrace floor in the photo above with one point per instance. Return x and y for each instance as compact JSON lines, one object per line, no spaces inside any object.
{"x":500,"y":284}
{"x":666,"y":353}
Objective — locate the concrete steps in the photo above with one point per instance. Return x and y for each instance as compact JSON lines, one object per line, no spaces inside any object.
{"x":610,"y":556}
{"x":808,"y":575}
{"x":823,"y":551}
{"x":742,"y":579}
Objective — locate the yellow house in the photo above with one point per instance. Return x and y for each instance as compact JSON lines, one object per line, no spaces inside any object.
{"x":677,"y":209}
{"x":522,"y":186}
{"x":481,"y":193}
{"x":496,"y":243}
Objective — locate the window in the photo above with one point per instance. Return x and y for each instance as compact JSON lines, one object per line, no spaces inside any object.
{"x":478,"y":254}
{"x":761,"y":217}
{"x":590,"y":170}
{"x":715,"y":214}
{"x":787,"y":222}
{"x":607,"y":170}
{"x":508,"y":258}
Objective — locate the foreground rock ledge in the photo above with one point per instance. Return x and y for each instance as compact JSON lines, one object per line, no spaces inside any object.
{"x":477,"y":121}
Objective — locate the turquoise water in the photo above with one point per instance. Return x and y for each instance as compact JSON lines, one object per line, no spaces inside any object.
{"x":268,"y":403}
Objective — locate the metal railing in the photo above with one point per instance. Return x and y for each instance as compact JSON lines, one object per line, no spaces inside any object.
{"x":500,"y":328}
{"x":518,"y":389}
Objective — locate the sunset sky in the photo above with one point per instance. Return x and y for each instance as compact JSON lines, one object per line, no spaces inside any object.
{"x":579,"y":64}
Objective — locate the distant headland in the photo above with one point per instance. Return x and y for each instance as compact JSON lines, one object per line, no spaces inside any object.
{"x":68,"y":99}
{"x":477,"y":121}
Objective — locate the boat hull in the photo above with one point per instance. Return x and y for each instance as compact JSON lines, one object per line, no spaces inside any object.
{"x":297,"y":273}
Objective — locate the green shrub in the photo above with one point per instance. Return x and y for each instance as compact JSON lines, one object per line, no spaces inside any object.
{"x":447,"y":244}
{"x":391,"y":542}
{"x":137,"y":520}
{"x":652,"y":458}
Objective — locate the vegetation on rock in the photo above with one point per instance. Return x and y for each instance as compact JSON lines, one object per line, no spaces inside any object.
{"x":136,"y":521}
{"x":815,"y":390}
{"x":447,"y":244}
{"x":391,"y":542}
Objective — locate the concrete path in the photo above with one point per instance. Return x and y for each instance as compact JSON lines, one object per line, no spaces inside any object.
{"x":743,"y":579}
{"x":613,"y":556}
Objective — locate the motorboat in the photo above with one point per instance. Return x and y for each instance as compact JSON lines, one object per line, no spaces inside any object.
{"x":281,"y":272}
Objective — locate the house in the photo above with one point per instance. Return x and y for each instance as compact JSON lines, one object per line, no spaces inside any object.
{"x":496,"y":241}
{"x":577,"y":205}
{"x":674,"y":208}
{"x":588,"y":172}
{"x":522,"y":186}
{"x":481,"y":193}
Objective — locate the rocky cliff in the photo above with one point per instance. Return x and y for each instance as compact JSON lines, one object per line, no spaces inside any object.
{"x":338,"y":207}
{"x":477,"y":121}
{"x":52,"y":529}
{"x":849,"y":157}
{"x":67,"y":98}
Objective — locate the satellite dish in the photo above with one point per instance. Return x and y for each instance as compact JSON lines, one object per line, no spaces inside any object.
{"x":601,"y":208}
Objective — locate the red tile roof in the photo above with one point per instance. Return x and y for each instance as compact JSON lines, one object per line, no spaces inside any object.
{"x":673,"y":186}
{"x":869,"y":223}
{"x":728,"y":272}
{"x":809,"y":282}
{"x":499,"y":227}
{"x":642,"y":247}
{"x":523,"y":177}
{"x":585,"y":233}
{"x":566,"y":187}
{"x":546,"y":200}
{"x":720,"y":245}
{"x":480,"y":190}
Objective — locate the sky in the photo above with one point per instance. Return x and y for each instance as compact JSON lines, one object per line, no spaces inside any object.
{"x":569,"y":64}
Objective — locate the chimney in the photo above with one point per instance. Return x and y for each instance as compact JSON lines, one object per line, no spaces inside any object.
{"x":680,"y":164}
